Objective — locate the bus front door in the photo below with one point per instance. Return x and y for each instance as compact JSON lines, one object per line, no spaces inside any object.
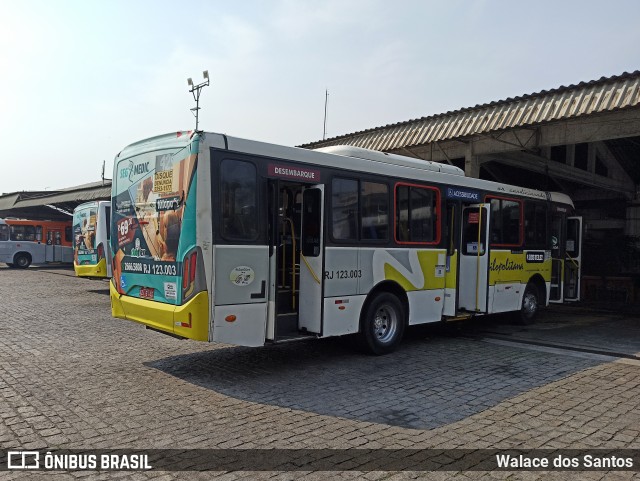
{"x":566,"y":258}
{"x":474,"y":259}
{"x":573,"y":259}
{"x":311,"y":260}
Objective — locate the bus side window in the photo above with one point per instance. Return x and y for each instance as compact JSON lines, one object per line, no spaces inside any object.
{"x":344,"y":209}
{"x":107,"y":212}
{"x":416,"y":215}
{"x":39,"y":233}
{"x":535,"y":225}
{"x":239,"y":199}
{"x":17,"y":233}
{"x":4,"y":232}
{"x":505,"y":222}
{"x":67,"y":234}
{"x":374,"y":212}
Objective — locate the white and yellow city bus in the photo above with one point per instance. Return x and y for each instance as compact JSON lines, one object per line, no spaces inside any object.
{"x":91,"y":232}
{"x":222,"y":239}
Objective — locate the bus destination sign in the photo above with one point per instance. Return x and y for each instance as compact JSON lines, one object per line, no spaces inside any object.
{"x":294,"y":173}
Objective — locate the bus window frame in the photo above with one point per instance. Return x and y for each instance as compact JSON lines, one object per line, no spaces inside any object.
{"x":436,"y":213}
{"x":334,"y":239}
{"x":258,"y":239}
{"x":533,"y":204}
{"x":381,"y":241}
{"x":359,"y":240}
{"x":520,"y":202}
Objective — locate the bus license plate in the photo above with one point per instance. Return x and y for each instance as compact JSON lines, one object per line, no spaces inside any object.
{"x":146,"y":292}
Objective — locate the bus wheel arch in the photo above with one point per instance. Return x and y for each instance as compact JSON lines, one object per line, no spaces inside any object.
{"x":22,"y":260}
{"x":383,"y":319}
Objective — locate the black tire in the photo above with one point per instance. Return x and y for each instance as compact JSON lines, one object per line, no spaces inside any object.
{"x":22,"y":260}
{"x":382,"y":324}
{"x":530,"y":306}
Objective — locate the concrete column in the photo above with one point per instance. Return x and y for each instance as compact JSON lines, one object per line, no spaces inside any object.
{"x":591,"y":158}
{"x":471,"y":162}
{"x":571,"y":155}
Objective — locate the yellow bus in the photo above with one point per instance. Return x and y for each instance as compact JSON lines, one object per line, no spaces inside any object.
{"x":91,"y":231}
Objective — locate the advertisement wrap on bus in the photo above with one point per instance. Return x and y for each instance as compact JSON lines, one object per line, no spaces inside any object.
{"x":293,"y":244}
{"x":153,"y":230}
{"x":91,"y":250}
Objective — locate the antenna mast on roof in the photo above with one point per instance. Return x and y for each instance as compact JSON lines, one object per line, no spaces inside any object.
{"x":103,"y":162}
{"x":326,"y":100}
{"x":195,"y":91}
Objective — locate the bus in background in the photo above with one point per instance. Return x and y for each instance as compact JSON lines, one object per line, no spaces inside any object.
{"x":25,"y":242}
{"x":222,"y":239}
{"x":91,"y":233}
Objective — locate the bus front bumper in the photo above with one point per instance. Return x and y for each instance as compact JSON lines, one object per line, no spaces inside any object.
{"x":190,"y":320}
{"x":91,"y":270}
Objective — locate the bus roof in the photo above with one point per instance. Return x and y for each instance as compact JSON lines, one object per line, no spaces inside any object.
{"x":394,"y":159}
{"x":358,"y":159}
{"x":159,"y":142}
{"x":92,"y":203}
{"x":10,"y":220}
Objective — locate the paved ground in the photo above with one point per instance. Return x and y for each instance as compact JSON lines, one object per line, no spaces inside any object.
{"x":73,"y":377}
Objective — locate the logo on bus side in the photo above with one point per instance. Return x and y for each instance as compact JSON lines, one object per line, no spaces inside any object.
{"x":463,"y":194}
{"x":132,"y":170}
{"x":242,"y":276}
{"x":535,"y":257}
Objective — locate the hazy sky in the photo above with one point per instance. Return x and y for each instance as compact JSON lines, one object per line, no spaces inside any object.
{"x":80,"y":80}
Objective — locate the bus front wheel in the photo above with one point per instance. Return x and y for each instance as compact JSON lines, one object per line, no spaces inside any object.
{"x":22,"y":261}
{"x":530,"y":305}
{"x":382,"y":324}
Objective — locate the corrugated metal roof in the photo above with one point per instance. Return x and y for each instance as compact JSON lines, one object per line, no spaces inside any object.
{"x":78,"y":194}
{"x":69,"y":196}
{"x":586,"y":98}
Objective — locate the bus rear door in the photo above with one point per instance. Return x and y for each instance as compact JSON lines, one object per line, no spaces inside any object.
{"x":53,"y":252}
{"x":311,"y":260}
{"x":474,"y":259}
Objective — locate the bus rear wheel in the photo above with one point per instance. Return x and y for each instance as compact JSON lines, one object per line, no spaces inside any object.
{"x":382,"y":324}
{"x":530,"y":305}
{"x":22,"y":261}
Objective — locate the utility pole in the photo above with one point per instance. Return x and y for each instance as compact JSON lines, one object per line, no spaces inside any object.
{"x":195,"y":91}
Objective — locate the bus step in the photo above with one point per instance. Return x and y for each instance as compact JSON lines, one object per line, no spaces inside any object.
{"x":299,"y":337}
{"x":459,"y":317}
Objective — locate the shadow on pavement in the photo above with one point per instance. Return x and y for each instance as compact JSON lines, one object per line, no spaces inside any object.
{"x":426,"y":384}
{"x":574,"y":327}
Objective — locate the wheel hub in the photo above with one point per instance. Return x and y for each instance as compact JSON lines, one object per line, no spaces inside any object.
{"x":385,"y":324}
